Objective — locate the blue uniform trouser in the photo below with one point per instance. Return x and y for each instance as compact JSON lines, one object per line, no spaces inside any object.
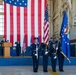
{"x":1,"y":51}
{"x":53,"y":62}
{"x":18,"y":51}
{"x":61,"y":61}
{"x":35,"y":63}
{"x":45,"y":62}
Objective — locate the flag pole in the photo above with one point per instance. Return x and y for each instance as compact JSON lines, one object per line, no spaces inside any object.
{"x":68,"y":10}
{"x":66,"y":57}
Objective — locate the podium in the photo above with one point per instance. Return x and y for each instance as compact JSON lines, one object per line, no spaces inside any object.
{"x":6,"y":49}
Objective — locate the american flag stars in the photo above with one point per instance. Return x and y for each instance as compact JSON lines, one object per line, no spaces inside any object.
{"x":22,"y":3}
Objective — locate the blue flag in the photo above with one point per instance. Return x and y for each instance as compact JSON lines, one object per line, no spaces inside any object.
{"x":64,"y":33}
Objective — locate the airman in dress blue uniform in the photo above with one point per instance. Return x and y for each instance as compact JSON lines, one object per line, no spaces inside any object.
{"x":60,"y":56}
{"x":52,"y":53}
{"x":3,"y":40}
{"x":44,"y":52}
{"x":35,"y":54}
{"x":18,"y":48}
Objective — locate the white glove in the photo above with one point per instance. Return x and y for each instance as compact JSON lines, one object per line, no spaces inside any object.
{"x":56,"y":48}
{"x":36,"y":48}
{"x":35,"y":54}
{"x":55,"y":57}
{"x":46,"y":52}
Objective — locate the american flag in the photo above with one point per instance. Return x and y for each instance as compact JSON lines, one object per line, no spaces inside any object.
{"x":24,"y":17}
{"x":46,"y":26}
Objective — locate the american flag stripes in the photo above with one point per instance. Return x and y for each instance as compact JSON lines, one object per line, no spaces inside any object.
{"x":24,"y":17}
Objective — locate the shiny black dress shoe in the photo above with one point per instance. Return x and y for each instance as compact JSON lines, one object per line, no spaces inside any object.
{"x":54,"y":70}
{"x":61,"y":70}
{"x":35,"y":71}
{"x":45,"y":71}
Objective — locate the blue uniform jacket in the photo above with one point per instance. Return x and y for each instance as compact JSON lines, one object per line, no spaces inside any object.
{"x":43,"y":49}
{"x":17,"y":44}
{"x":59,"y":48}
{"x":51,"y":49}
{"x":33,"y":49}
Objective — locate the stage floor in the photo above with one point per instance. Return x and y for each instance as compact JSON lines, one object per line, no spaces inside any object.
{"x":27,"y":70}
{"x":27,"y":61}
